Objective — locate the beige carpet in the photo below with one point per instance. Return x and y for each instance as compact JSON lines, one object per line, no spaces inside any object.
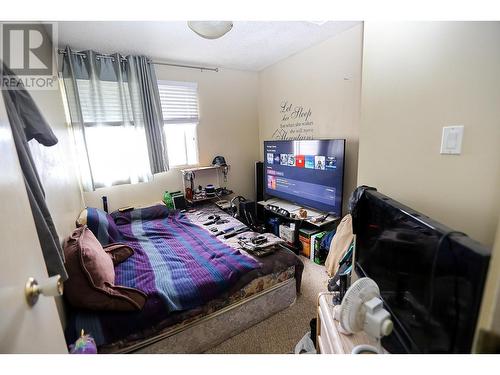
{"x":281,"y":332}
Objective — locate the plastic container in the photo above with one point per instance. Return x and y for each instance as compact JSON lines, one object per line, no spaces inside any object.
{"x":305,"y":345}
{"x":168,"y":200}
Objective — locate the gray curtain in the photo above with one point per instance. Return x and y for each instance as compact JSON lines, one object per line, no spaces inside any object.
{"x":28,"y":123}
{"x":116,"y":118}
{"x":141,"y":70}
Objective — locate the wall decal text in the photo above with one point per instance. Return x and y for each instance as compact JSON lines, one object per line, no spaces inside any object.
{"x":295,"y":123}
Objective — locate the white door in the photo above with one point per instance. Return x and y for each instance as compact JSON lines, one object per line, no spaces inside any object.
{"x":23,"y":329}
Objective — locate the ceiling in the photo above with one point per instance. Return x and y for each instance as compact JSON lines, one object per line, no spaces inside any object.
{"x":250,"y":45}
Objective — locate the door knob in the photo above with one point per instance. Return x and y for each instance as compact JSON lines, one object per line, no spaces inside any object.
{"x":53,"y":286}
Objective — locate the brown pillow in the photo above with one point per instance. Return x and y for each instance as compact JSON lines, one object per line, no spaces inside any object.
{"x":118,"y":252}
{"x":92,"y":275}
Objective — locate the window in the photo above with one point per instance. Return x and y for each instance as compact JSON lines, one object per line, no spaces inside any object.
{"x":179,"y":104}
{"x":115,"y":118}
{"x":106,"y":110}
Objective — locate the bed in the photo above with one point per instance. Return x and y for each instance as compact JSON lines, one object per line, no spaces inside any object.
{"x":200,"y":289}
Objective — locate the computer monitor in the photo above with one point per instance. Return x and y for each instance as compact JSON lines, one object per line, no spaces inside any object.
{"x":309,"y":173}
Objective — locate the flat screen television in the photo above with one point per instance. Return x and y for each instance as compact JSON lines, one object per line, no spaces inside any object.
{"x":309,"y":173}
{"x":431,"y":281}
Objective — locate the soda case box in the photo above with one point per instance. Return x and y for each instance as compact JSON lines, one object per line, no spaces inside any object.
{"x":305,"y":239}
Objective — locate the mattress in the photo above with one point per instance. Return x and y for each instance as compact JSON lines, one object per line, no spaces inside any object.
{"x":116,"y":331}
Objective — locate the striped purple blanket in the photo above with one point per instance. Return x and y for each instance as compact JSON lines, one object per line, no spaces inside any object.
{"x":175,"y":260}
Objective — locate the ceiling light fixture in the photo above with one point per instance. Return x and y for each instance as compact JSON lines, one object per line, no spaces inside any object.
{"x":210,"y":29}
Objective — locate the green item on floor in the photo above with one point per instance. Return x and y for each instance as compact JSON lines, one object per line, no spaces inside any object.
{"x":167,"y":199}
{"x":317,"y":248}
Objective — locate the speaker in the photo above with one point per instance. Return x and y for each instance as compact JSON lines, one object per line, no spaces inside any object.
{"x":259,"y":189}
{"x":259,"y":181}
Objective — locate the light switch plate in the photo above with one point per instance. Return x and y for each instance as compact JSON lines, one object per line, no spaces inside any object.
{"x":451,"y":140}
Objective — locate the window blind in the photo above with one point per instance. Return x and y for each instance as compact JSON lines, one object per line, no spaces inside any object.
{"x":106,"y":104}
{"x":179,"y":102}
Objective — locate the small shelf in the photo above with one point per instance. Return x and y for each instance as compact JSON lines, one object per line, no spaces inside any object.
{"x":209,"y":175}
{"x":194,"y":169}
{"x":192,"y":201}
{"x":205,"y":168}
{"x":199,"y":200}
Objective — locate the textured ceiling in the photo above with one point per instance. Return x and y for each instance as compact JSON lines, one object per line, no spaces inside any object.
{"x":250,"y":45}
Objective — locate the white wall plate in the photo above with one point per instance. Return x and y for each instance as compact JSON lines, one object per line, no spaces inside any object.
{"x":451,"y":140}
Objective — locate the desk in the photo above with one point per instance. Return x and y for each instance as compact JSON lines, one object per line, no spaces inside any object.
{"x":329,"y":340}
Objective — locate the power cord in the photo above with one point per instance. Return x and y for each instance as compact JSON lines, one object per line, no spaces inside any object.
{"x":444,"y":237}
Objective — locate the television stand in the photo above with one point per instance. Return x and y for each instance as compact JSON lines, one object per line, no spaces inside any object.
{"x":310,"y":222}
{"x":293,"y":209}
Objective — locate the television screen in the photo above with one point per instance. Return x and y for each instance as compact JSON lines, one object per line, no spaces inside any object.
{"x":432,"y":287}
{"x":309,"y":173}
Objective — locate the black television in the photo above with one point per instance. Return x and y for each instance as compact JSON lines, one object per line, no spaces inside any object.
{"x":431,"y":278}
{"x":309,"y":173}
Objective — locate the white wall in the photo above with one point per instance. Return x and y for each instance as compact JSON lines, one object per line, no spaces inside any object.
{"x":417,"y":78}
{"x":325,"y":78}
{"x":228,"y":127}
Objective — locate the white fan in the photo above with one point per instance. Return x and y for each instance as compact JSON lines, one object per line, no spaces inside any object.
{"x":362,"y":310}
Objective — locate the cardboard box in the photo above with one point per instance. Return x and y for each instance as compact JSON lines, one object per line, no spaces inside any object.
{"x":317,"y":246}
{"x":305,"y":239}
{"x":314,"y":244}
{"x":286,"y":233}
